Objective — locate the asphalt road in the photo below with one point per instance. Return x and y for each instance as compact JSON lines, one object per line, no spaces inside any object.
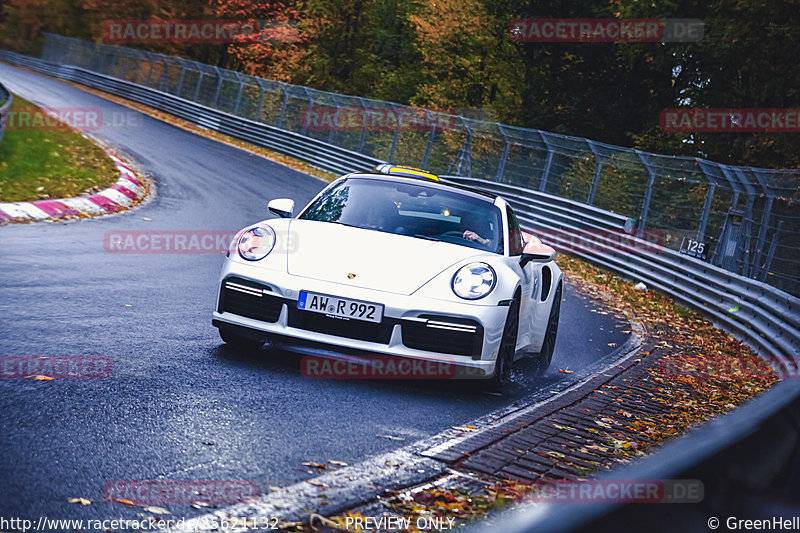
{"x":179,"y":405}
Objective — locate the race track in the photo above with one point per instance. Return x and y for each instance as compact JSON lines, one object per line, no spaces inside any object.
{"x":179,"y":404}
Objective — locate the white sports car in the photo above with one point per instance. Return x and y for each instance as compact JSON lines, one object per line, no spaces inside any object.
{"x":397,"y":263}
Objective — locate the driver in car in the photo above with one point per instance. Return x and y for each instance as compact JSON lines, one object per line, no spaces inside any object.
{"x":478,"y":227}
{"x":474,"y":237}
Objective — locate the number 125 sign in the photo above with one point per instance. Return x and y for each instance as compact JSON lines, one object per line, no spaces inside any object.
{"x":693,"y":247}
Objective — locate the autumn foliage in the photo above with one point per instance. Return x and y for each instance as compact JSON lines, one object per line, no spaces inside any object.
{"x":457,"y":55}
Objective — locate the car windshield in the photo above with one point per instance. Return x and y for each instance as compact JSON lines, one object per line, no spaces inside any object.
{"x":411,"y":209}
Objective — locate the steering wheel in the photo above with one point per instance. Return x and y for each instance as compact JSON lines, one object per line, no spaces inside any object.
{"x":453,"y":233}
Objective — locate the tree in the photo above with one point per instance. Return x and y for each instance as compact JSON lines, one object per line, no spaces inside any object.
{"x":467,"y":61}
{"x":276,"y":51}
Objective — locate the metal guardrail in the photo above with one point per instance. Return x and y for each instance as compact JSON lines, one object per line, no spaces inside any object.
{"x":318,"y":153}
{"x":767,"y":318}
{"x":753,"y":311}
{"x":6,"y":100}
{"x":747,"y":217}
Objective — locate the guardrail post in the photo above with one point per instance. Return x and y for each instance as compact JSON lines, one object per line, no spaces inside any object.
{"x":219,"y":88}
{"x":238,"y":94}
{"x":431,"y":136}
{"x":648,"y":195}
{"x":199,"y":83}
{"x":304,"y":120}
{"x":701,"y":230}
{"x":396,"y":135}
{"x":363,"y":137}
{"x":745,"y":233}
{"x":546,"y":170}
{"x":748,"y":219}
{"x":705,"y":168}
{"x":596,"y":177}
{"x":332,"y":133}
{"x":771,"y":254}
{"x":283,"y":105}
{"x":150,"y":70}
{"x":465,"y":157}
{"x":501,"y":168}
{"x":766,"y":213}
{"x":180,"y":79}
{"x":164,"y":75}
{"x":257,"y":115}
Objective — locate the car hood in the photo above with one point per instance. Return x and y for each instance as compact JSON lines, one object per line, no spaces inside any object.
{"x":378,"y":261}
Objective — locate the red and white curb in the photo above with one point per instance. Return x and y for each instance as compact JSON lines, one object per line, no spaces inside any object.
{"x":128,"y":191}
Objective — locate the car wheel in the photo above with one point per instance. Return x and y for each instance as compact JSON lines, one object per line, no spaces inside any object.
{"x":508,"y":346}
{"x":545,"y":356}
{"x":238,"y":341}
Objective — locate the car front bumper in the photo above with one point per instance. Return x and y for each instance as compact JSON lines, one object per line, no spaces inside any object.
{"x":409,"y":322}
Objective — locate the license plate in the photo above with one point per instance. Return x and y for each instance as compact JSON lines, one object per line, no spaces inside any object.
{"x":340,"y":307}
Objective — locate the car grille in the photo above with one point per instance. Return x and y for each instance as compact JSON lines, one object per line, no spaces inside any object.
{"x":443,"y":334}
{"x":249,"y":299}
{"x":351,"y":329}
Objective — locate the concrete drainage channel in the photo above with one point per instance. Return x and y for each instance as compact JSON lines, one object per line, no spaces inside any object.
{"x":722,"y":453}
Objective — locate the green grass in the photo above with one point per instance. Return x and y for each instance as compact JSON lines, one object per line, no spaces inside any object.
{"x":45,"y":162}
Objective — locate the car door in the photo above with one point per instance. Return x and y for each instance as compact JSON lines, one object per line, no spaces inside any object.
{"x":527,"y":282}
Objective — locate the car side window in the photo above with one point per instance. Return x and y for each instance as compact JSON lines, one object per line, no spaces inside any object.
{"x":515,"y":245}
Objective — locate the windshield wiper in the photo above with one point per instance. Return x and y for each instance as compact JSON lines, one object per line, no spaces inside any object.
{"x":344,"y":224}
{"x":428,"y":238}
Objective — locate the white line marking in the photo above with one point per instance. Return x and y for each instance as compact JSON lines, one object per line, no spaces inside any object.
{"x":116,"y":196}
{"x":83,"y":204}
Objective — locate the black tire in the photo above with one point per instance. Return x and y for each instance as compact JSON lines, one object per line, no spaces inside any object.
{"x":238,"y":341}
{"x":545,"y":356}
{"x":508,"y":346}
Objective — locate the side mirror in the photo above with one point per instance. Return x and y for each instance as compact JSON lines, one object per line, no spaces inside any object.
{"x":283,"y":207}
{"x":535,"y":251}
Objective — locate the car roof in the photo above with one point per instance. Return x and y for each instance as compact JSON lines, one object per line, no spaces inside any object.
{"x":402,"y":170}
{"x":407,"y":174}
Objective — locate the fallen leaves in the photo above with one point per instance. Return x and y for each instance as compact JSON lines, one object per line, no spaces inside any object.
{"x":697,"y":371}
{"x":82,"y":501}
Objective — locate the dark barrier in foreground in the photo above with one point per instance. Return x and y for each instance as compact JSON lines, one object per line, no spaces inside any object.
{"x":748,"y":462}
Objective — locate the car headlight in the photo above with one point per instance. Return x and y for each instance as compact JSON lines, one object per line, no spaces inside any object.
{"x":256,"y":243}
{"x":474,"y":281}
